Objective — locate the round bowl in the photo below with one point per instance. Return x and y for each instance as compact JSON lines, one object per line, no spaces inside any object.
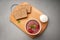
{"x":36,"y":24}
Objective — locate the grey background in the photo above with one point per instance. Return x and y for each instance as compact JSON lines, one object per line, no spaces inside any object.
{"x":8,"y":31}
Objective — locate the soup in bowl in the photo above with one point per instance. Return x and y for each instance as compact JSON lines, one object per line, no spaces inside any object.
{"x":33,"y":27}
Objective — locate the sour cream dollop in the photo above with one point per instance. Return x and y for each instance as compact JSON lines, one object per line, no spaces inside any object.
{"x":43,"y":18}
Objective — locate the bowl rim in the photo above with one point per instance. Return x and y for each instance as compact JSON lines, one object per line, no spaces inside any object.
{"x":39,"y":24}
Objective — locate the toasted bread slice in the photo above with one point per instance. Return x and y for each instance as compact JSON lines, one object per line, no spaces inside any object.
{"x":27,"y":6}
{"x":21,"y":10}
{"x":20,"y":13}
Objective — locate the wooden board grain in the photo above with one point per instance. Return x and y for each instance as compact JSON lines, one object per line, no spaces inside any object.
{"x":34,"y":14}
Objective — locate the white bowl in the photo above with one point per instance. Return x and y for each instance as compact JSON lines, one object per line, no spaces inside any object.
{"x":43,"y":18}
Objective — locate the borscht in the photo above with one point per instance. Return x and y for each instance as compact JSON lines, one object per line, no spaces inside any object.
{"x":32,"y":26}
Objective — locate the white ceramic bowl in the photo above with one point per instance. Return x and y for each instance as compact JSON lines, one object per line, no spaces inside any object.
{"x":43,"y":18}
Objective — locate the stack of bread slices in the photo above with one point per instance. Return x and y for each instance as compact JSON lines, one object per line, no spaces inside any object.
{"x":21,"y":10}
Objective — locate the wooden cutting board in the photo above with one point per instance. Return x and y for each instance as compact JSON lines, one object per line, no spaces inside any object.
{"x":34,"y":14}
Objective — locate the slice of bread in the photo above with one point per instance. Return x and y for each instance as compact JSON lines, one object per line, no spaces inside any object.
{"x":20,"y":13}
{"x":27,"y":6}
{"x":22,"y":10}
